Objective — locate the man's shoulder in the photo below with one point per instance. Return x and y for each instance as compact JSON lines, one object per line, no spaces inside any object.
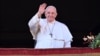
{"x":60,"y":23}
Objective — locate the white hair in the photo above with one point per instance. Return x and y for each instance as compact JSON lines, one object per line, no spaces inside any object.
{"x":51,"y":6}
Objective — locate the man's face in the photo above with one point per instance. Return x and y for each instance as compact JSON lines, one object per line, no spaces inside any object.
{"x":50,"y":14}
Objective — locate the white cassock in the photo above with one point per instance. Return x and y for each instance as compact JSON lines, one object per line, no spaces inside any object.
{"x":60,"y":38}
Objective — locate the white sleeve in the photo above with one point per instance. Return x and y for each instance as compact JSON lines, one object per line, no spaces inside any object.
{"x":67,"y":36}
{"x":33,"y":25}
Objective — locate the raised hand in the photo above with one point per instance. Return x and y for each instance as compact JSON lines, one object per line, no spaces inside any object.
{"x":41,"y":9}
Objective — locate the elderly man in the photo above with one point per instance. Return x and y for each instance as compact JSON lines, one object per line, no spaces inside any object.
{"x":48,"y":32}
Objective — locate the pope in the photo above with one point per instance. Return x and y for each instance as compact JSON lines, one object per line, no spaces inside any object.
{"x":48,"y":32}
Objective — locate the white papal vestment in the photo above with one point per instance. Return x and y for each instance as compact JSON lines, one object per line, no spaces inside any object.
{"x":60,"y":38}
